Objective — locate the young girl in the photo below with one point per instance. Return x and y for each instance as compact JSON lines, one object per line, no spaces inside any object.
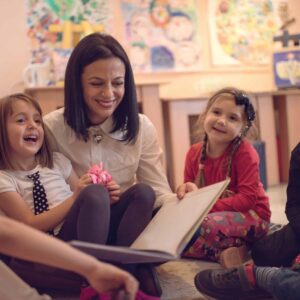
{"x":242,"y":215}
{"x":57,"y":201}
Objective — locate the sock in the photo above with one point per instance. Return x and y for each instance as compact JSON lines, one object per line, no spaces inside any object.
{"x":264,"y":275}
{"x":249,"y":270}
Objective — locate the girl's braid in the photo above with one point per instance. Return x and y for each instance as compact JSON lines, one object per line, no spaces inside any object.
{"x":200,"y":182}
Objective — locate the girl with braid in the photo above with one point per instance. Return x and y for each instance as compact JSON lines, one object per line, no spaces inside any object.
{"x":242,"y":215}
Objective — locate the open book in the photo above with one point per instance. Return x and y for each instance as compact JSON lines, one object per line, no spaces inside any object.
{"x":165,"y":237}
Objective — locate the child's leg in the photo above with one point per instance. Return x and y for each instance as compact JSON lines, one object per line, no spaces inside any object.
{"x":88,"y":219}
{"x":222,"y":230}
{"x":283,"y":283}
{"x":13,"y":287}
{"x":131,"y":214}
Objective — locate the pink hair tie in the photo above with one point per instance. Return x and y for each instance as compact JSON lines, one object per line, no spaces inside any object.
{"x":99,"y":175}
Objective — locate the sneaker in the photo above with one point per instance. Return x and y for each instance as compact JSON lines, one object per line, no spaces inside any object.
{"x":228,"y":284}
{"x":234,"y":257}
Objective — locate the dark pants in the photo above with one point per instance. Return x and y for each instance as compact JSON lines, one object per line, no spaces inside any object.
{"x":93,"y":219}
{"x":277,"y":249}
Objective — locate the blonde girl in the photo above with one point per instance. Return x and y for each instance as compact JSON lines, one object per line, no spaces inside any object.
{"x":242,"y":214}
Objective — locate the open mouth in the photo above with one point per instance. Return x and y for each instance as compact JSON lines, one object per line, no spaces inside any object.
{"x":31,"y":138}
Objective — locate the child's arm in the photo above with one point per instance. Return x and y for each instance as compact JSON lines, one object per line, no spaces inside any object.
{"x":14,"y":206}
{"x":26,"y":243}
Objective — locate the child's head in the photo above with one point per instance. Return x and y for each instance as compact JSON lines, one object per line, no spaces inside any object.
{"x":226,"y":120}
{"x":22,"y":131}
{"x":95,"y":49}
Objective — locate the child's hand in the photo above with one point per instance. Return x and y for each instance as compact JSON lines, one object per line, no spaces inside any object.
{"x":84,"y":181}
{"x":185,"y":188}
{"x":114,"y":191}
{"x":227,"y":193}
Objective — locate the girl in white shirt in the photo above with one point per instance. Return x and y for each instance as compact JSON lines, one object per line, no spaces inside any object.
{"x":75,"y":209}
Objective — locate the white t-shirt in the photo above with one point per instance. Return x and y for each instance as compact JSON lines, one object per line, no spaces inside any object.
{"x":127,"y":163}
{"x":53,"y":180}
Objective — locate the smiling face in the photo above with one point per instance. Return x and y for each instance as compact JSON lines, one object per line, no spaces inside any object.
{"x":25,"y":133}
{"x":103,"y":84}
{"x":224,"y":121}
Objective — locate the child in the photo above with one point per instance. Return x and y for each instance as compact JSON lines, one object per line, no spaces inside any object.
{"x":242,"y":215}
{"x":35,"y":187}
{"x":24,"y":242}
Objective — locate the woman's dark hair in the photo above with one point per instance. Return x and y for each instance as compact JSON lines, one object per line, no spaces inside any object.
{"x":241,"y":99}
{"x":90,"y":49}
{"x":44,"y":155}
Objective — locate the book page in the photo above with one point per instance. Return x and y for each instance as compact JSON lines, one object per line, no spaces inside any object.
{"x":177,"y":220}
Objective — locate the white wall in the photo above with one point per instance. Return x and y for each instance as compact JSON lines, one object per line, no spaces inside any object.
{"x":14,"y":49}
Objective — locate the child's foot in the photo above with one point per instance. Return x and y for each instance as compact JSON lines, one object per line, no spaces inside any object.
{"x":235,"y":283}
{"x":234,"y":257}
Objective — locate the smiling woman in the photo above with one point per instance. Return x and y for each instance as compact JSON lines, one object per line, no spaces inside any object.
{"x":100,"y":123}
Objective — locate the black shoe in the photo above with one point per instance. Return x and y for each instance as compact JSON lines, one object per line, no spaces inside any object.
{"x":228,"y":284}
{"x":147,"y":277}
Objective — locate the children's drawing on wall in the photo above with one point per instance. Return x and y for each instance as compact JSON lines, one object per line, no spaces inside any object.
{"x":162,"y":35}
{"x":241,"y":32}
{"x":70,"y":20}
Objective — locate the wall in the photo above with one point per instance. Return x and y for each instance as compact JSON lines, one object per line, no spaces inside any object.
{"x":15,"y":56}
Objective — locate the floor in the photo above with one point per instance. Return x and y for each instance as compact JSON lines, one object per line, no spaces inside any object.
{"x":177,"y":277}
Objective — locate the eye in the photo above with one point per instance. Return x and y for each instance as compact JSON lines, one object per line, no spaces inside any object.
{"x":38,"y":121}
{"x":20,"y":120}
{"x":233,"y":118}
{"x":216,"y":112}
{"x":119,"y":83}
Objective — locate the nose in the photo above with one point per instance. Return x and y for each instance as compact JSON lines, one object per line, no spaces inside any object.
{"x":221,"y":120}
{"x":107,"y":91}
{"x":31,"y":124}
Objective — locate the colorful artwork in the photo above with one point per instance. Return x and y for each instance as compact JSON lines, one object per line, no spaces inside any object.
{"x":43,"y":13}
{"x":162,"y":35}
{"x":287,"y":68}
{"x":241,"y":31}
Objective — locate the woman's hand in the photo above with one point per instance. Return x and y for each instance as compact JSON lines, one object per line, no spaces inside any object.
{"x":108,"y":278}
{"x":185,"y":188}
{"x":114,"y":191}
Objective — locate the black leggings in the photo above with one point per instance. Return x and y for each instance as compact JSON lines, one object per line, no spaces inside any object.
{"x":93,"y":219}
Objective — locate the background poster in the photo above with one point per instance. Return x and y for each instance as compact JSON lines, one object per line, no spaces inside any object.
{"x":162,"y":35}
{"x":42,"y":13}
{"x":241,"y":31}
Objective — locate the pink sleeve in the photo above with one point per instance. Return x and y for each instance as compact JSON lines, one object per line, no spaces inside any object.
{"x":245,"y":182}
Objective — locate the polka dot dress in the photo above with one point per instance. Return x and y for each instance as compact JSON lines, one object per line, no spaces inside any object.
{"x":39,"y":194}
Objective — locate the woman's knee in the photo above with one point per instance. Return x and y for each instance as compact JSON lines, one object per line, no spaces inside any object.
{"x":94,"y":195}
{"x":145,"y":194}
